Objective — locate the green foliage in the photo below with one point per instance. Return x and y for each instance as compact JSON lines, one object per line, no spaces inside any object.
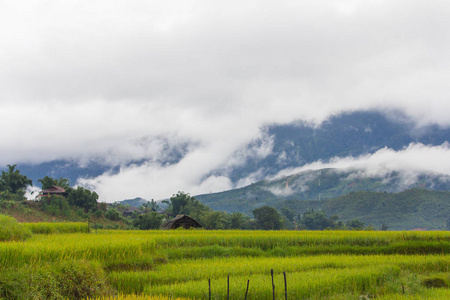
{"x":179,"y":201}
{"x":150,"y":220}
{"x":183,"y":203}
{"x":415,"y":208}
{"x":48,"y":182}
{"x":11,"y":230}
{"x":215,"y":220}
{"x":438,"y":280}
{"x":268,"y":218}
{"x":80,"y":279}
{"x":288,"y":213}
{"x":238,"y":220}
{"x":113,"y":215}
{"x":14,"y":182}
{"x":56,"y":206}
{"x":8,"y":196}
{"x":63,"y":280}
{"x":317,"y":220}
{"x":304,"y":191}
{"x":83,"y":198}
{"x":355,"y":224}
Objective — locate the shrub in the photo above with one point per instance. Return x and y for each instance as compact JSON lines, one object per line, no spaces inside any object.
{"x":11,"y":230}
{"x":436,"y":281}
{"x":113,"y":215}
{"x":151,"y":220}
{"x":63,"y":280}
{"x":56,"y":206}
{"x":80,"y":279}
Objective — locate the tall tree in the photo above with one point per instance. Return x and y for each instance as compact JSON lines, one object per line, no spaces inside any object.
{"x":267,"y":218}
{"x":48,"y":182}
{"x":215,"y":220}
{"x":179,"y":201}
{"x":83,"y":198}
{"x":13,"y":182}
{"x":237,"y":220}
{"x":317,"y":220}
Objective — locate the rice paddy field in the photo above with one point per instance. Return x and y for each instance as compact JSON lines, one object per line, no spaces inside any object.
{"x":203,"y":264}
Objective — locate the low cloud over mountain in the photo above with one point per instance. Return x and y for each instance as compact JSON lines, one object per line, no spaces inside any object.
{"x":168,"y":95}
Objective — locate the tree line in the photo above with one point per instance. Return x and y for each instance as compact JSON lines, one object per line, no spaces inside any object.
{"x":13,"y":186}
{"x":264,"y":218}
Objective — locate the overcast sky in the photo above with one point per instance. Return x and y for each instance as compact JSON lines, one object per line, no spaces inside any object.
{"x":116,"y":80}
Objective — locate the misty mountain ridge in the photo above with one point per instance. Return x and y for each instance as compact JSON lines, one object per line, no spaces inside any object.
{"x":136,"y":202}
{"x":411,"y":209}
{"x":345,"y":135}
{"x":319,"y":185}
{"x":290,"y":146}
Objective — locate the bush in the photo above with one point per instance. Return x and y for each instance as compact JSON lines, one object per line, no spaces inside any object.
{"x":80,"y":280}
{"x":56,"y":206}
{"x":63,"y":280}
{"x":113,"y":215}
{"x":11,"y":230}
{"x":151,"y":220}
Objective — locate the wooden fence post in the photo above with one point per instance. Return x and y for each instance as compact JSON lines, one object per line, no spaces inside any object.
{"x":273,"y":285}
{"x":246,"y":292}
{"x":285,"y":286}
{"x":209,"y":285}
{"x":228,"y":287}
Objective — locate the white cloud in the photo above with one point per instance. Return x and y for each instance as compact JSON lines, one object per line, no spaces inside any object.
{"x":414,"y":159}
{"x":88,"y":80}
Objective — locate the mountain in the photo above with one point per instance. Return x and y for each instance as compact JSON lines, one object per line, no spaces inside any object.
{"x":410,"y":209}
{"x":347,"y":134}
{"x":318,"y":185}
{"x":136,"y":202}
{"x":291,"y":145}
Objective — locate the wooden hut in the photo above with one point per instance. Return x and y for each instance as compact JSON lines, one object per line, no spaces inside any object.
{"x":53,"y":190}
{"x":181,"y":221}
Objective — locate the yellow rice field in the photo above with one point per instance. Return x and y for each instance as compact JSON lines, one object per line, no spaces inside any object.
{"x":190,"y":264}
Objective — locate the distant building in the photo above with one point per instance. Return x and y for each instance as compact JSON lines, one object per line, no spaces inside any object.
{"x":130,"y":211}
{"x":53,"y":191}
{"x":181,"y":221}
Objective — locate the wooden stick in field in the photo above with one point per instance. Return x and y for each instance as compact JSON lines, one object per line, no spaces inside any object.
{"x":285,"y":286}
{"x":209,"y":285}
{"x":246,"y":292}
{"x":273,"y":285}
{"x":228,"y":287}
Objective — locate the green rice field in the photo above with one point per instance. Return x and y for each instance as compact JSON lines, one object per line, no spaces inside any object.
{"x":198,"y":264}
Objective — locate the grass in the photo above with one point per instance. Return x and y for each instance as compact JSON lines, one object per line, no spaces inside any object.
{"x":52,"y":228}
{"x":328,"y":264}
{"x":11,"y":230}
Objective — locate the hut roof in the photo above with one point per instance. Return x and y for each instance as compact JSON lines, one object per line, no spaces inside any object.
{"x":54,"y":189}
{"x":181,"y":221}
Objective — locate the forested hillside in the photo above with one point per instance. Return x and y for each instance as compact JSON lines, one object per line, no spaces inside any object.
{"x":318,"y":184}
{"x":411,"y":209}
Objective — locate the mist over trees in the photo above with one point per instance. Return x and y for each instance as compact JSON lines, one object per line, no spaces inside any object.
{"x":83,"y":202}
